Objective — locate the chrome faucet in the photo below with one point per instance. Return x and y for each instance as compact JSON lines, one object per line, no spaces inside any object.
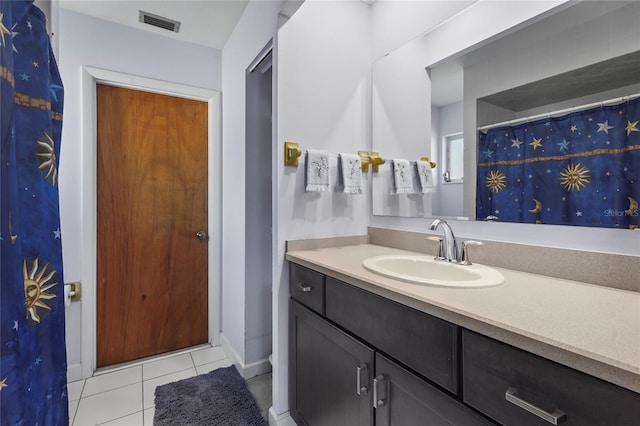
{"x":449,"y":241}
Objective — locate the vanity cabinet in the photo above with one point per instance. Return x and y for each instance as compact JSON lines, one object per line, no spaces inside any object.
{"x":366,"y":352}
{"x":516,"y":387}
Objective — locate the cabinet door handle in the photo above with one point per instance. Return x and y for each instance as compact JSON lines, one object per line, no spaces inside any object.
{"x":361,"y":390}
{"x":554,"y":418}
{"x":377,"y":401}
{"x":305,"y":288}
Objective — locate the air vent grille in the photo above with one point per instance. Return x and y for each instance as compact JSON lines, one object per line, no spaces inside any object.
{"x":158,"y":21}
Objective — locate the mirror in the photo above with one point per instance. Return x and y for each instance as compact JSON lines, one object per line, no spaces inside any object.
{"x":515,"y":66}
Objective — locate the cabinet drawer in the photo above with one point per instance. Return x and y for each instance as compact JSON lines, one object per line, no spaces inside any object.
{"x":307,"y":287}
{"x":492,"y":369}
{"x":424,"y":343}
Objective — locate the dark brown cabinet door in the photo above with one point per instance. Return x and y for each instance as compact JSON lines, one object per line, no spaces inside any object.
{"x":330,"y":373}
{"x":403,"y":399}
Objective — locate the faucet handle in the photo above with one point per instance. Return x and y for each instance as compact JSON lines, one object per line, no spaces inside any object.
{"x":465,"y":253}
{"x":440,"y":255}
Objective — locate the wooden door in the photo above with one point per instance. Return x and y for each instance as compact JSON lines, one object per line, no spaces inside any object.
{"x":151,"y":203}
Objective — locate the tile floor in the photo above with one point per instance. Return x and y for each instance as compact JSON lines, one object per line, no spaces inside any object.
{"x":125,"y":396}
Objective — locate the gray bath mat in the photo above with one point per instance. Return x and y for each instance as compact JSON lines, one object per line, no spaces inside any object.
{"x":217,"y":398}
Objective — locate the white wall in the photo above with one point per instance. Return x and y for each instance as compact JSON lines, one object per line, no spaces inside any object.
{"x":395,"y":22}
{"x":255,"y":28}
{"x":89,"y":41}
{"x":323,"y":80}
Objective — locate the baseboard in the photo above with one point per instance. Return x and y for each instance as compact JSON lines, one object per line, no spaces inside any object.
{"x":74,"y":372}
{"x":231,"y":353}
{"x":256,"y":368}
{"x":246,"y":370}
{"x":283,"y":419}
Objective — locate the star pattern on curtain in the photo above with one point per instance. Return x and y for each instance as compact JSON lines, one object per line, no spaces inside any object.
{"x":33,"y":365}
{"x":579,"y":169}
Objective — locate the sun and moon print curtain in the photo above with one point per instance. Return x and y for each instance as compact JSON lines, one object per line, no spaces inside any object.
{"x":582,"y":169}
{"x":33,"y":368}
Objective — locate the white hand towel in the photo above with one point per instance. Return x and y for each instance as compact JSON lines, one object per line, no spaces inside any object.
{"x":425,"y":176}
{"x":402,"y":180}
{"x":317,"y":171}
{"x":349,"y":174}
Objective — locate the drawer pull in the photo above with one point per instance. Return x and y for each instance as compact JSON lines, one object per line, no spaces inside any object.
{"x":305,"y":288}
{"x":361,"y":390}
{"x":377,"y":402}
{"x":554,"y":418}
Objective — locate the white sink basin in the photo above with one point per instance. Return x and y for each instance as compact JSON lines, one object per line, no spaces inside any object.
{"x":426,"y":270}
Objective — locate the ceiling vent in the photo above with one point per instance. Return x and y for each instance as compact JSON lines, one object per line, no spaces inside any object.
{"x":159,"y":21}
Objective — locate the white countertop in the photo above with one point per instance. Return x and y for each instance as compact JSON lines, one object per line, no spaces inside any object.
{"x":591,"y":328}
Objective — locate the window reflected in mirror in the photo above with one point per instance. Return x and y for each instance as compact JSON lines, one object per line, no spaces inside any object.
{"x":453,"y":158}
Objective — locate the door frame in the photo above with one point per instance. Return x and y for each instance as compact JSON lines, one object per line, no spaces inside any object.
{"x":90,"y":78}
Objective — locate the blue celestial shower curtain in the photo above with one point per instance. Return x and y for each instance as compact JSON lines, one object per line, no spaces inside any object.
{"x":33,"y":369}
{"x":582,"y":169}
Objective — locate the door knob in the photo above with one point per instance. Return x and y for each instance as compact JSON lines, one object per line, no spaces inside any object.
{"x":201,"y":235}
